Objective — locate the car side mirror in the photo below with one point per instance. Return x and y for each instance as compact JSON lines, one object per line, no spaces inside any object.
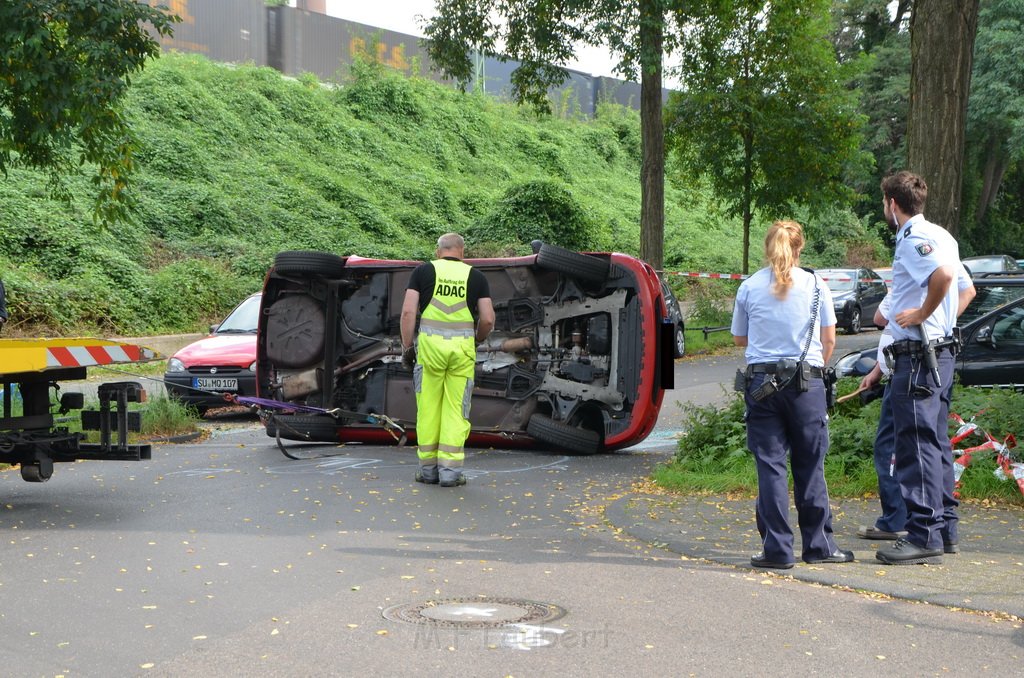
{"x":985,"y":337}
{"x":213,"y":327}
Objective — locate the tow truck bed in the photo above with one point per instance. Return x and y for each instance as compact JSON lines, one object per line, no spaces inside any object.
{"x":35,"y":365}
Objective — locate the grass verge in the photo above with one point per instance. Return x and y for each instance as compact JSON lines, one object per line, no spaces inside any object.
{"x":713,"y":455}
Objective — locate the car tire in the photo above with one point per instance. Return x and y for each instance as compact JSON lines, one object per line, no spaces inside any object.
{"x":582,"y":266}
{"x":680,"y":341}
{"x":563,"y":436}
{"x":854,"y":327}
{"x":319,"y":428}
{"x":295,"y":330}
{"x":302,"y":262}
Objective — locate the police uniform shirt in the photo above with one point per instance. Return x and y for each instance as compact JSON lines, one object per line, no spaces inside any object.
{"x":423,"y":278}
{"x":777,"y":328}
{"x":885,"y":309}
{"x":922,"y":247}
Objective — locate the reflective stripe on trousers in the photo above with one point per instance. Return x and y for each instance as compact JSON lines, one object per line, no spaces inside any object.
{"x":444,"y":387}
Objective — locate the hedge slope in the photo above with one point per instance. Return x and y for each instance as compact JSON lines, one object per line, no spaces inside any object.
{"x":238,"y":163}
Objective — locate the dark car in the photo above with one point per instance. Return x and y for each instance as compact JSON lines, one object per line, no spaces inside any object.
{"x":581,"y":350}
{"x":675,"y":314}
{"x":856,"y":294}
{"x":224,"y":362}
{"x":992,"y":336}
{"x":991,"y":263}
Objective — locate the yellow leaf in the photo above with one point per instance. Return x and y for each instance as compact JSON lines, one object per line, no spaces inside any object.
{"x":382,"y":632}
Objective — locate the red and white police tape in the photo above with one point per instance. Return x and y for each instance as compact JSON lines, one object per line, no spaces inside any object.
{"x":744,"y":276}
{"x":1006,"y":468}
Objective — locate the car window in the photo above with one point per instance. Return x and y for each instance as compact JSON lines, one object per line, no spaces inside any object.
{"x":244,"y":318}
{"x":838,"y":281}
{"x":988,"y":299}
{"x":872,"y":276}
{"x":984,"y":264}
{"x":1009,"y":326}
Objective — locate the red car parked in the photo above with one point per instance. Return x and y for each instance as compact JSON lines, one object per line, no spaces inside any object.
{"x":578,"y":361}
{"x":224,"y":362}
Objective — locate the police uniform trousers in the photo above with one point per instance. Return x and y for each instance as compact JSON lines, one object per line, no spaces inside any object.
{"x":894,"y":510}
{"x":795,"y":425}
{"x":920,"y":411}
{"x":443,"y":379}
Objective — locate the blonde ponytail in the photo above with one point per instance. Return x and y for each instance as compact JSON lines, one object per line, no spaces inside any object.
{"x":782,"y":246}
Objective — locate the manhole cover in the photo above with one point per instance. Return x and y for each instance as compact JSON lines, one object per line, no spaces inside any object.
{"x":474,"y":613}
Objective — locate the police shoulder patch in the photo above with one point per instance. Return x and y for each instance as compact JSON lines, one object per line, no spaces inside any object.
{"x":924,"y":249}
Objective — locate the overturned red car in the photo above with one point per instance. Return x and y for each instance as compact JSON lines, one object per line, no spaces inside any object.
{"x":578,"y":361}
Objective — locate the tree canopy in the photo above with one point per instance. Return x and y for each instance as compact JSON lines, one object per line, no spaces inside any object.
{"x":764,"y":113}
{"x":64,"y":68}
{"x":543,"y":36}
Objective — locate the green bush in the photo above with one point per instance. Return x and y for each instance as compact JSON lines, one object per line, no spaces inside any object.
{"x":713,"y":455}
{"x":542,"y":210}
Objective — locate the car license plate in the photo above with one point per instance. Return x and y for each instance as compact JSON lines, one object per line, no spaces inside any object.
{"x":215,"y":383}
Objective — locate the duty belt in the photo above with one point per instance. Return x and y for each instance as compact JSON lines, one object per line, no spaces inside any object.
{"x":916,"y":348}
{"x":769,"y":368}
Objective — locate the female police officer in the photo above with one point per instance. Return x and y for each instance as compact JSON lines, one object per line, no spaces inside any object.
{"x":784,"y":318}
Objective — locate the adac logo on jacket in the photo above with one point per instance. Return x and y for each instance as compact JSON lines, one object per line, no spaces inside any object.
{"x":450,"y":288}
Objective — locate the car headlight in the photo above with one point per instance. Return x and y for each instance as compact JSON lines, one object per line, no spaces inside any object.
{"x":854,"y":365}
{"x":175,"y":365}
{"x":252,"y":367}
{"x":844,"y":366}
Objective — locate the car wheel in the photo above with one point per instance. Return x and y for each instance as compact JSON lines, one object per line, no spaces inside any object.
{"x":315,"y":427}
{"x":680,"y":347}
{"x":295,"y":328}
{"x":582,"y":266}
{"x":563,"y":436}
{"x":854,"y":326}
{"x":301,"y":262}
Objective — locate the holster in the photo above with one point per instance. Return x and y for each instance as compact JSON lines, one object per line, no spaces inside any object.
{"x":740,"y":381}
{"x":830,"y":378}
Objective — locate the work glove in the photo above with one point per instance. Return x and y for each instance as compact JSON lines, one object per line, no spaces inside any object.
{"x":409,"y":357}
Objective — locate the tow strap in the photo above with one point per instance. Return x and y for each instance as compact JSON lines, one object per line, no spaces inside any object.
{"x":269,"y":408}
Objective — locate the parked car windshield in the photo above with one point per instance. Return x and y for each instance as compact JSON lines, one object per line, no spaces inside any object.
{"x":988,"y":299}
{"x":243,"y":319}
{"x":989,"y":264}
{"x":839,"y":280}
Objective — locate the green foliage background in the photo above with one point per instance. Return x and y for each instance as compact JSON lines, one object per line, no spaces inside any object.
{"x":238,"y":163}
{"x":713,"y":455}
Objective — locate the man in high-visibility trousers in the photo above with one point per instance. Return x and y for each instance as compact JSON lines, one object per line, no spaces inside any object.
{"x":454,"y":303}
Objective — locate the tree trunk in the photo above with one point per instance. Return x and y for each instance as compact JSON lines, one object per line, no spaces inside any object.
{"x":992,"y":177}
{"x":941,"y":50}
{"x":652,"y":135}
{"x":748,"y":189}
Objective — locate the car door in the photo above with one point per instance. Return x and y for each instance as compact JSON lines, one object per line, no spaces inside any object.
{"x":872,"y":291}
{"x":993,"y":351}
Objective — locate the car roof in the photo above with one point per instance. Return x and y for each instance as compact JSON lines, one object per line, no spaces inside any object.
{"x":1003,"y":278}
{"x":983,"y":257}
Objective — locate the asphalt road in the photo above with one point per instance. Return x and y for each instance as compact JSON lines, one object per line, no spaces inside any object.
{"x":226,"y":558}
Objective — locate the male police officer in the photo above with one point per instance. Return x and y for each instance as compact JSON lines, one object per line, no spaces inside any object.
{"x":924,"y":309}
{"x":446,"y":292}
